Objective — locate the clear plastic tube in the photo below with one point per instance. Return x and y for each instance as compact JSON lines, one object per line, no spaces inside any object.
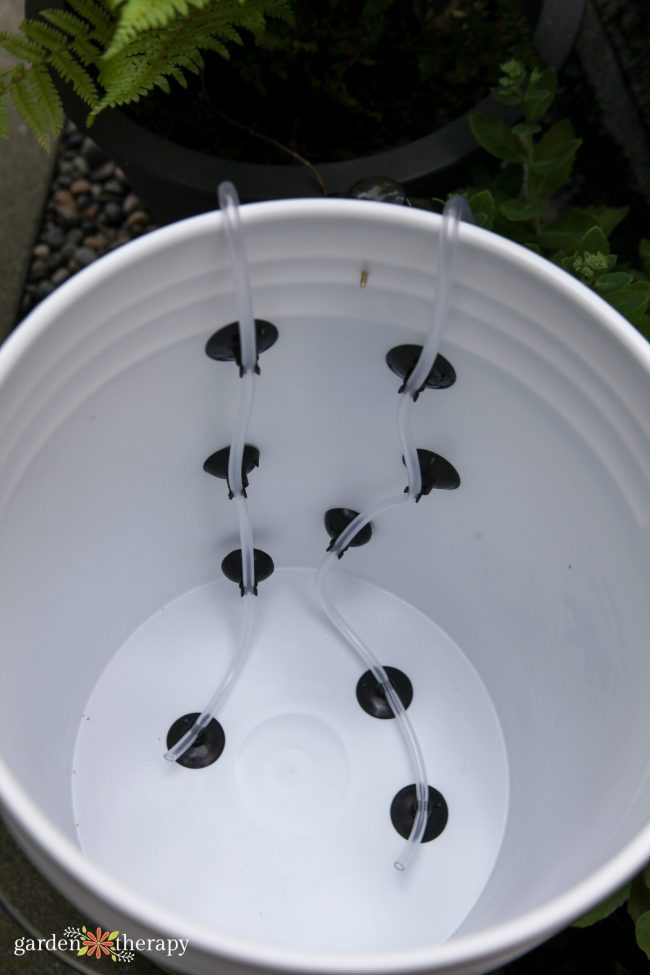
{"x":403,"y":721}
{"x":238,"y":442}
{"x":229,"y":203}
{"x":455,"y":208}
{"x":409,"y":450}
{"x":452,"y":213}
{"x":217,"y":700}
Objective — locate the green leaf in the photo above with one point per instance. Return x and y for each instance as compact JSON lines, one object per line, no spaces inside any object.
{"x":82,"y":951}
{"x":593,"y":242}
{"x":483,"y":207}
{"x":507,"y":96}
{"x":540,"y":92}
{"x":553,"y":160}
{"x":608,"y":218}
{"x":557,"y":146}
{"x":642,"y":931}
{"x":612,"y":281}
{"x":644,"y":254}
{"x":496,"y":138}
{"x":567,"y":231}
{"x":631,"y":302}
{"x":604,"y":909}
{"x":532,"y":246}
{"x":519,"y":210}
{"x":526,"y":128}
{"x":113,"y":935}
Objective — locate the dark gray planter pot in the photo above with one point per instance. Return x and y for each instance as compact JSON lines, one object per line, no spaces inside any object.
{"x":176,"y":182}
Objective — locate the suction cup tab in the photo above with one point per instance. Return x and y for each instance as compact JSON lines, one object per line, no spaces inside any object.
{"x":372,"y":696}
{"x":217,"y":465}
{"x":337,"y":520}
{"x":232,"y":568}
{"x":206,"y":749}
{"x":224,"y":345}
{"x":403,"y":810}
{"x":436,"y":472}
{"x":402,"y":359}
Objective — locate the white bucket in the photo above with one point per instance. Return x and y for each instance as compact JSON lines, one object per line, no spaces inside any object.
{"x":517,"y":604}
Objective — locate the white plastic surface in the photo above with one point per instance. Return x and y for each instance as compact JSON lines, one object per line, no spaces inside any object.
{"x":287,"y":837}
{"x":535,"y":568}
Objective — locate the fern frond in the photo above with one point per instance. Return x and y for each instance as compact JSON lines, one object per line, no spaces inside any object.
{"x":4,"y":117}
{"x":20,"y":47}
{"x":77,"y":76}
{"x":138,"y":16}
{"x":97,"y":15}
{"x":63,"y":42}
{"x":31,"y":112}
{"x":48,"y":98}
{"x":48,"y":38}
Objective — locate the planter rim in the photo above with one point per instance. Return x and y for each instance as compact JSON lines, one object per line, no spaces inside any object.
{"x":518,"y":934}
{"x":557,"y":25}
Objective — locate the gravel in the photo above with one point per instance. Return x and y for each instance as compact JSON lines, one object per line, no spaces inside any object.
{"x":91,"y":210}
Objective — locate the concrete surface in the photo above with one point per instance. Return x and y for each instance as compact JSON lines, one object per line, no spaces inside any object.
{"x":24,"y":179}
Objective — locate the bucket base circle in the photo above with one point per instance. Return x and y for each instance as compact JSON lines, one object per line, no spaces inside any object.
{"x":288,"y":838}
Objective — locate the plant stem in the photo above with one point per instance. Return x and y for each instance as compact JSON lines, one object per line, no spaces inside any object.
{"x":278,"y":145}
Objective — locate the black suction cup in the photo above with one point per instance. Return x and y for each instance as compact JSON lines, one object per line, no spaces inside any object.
{"x":217,"y":464}
{"x":224,"y":344}
{"x":371,"y":695}
{"x":402,"y":359}
{"x":262,"y":567}
{"x":337,"y":520}
{"x":436,"y":473}
{"x":404,"y":807}
{"x":206,"y":749}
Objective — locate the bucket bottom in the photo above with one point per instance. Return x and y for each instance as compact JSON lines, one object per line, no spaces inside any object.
{"x":287,"y":838}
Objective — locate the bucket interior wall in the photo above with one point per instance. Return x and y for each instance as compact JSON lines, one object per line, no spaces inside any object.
{"x":535,"y":568}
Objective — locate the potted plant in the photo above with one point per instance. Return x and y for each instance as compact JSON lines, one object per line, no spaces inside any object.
{"x":156,"y":165}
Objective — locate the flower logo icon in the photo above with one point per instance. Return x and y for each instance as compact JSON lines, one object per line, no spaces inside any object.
{"x":97,"y":944}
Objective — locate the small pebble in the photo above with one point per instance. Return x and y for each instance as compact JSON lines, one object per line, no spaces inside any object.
{"x":68,"y":215}
{"x":138,"y":217}
{"x":96,"y":242}
{"x":64,"y":198}
{"x":112,"y":214}
{"x":131,"y":203}
{"x":114,"y":186}
{"x":80,"y":186}
{"x":103,"y":172}
{"x":53,"y":236}
{"x":79,"y":166}
{"x":38,"y":269}
{"x":43,"y":289}
{"x":67,"y":251}
{"x":84,"y":256}
{"x":73,"y":139}
{"x":60,"y":276}
{"x":54,"y":261}
{"x":41,"y":250}
{"x":93,"y":154}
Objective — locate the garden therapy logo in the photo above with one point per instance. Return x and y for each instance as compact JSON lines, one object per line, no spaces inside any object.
{"x":98,"y":943}
{"x":102,"y":944}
